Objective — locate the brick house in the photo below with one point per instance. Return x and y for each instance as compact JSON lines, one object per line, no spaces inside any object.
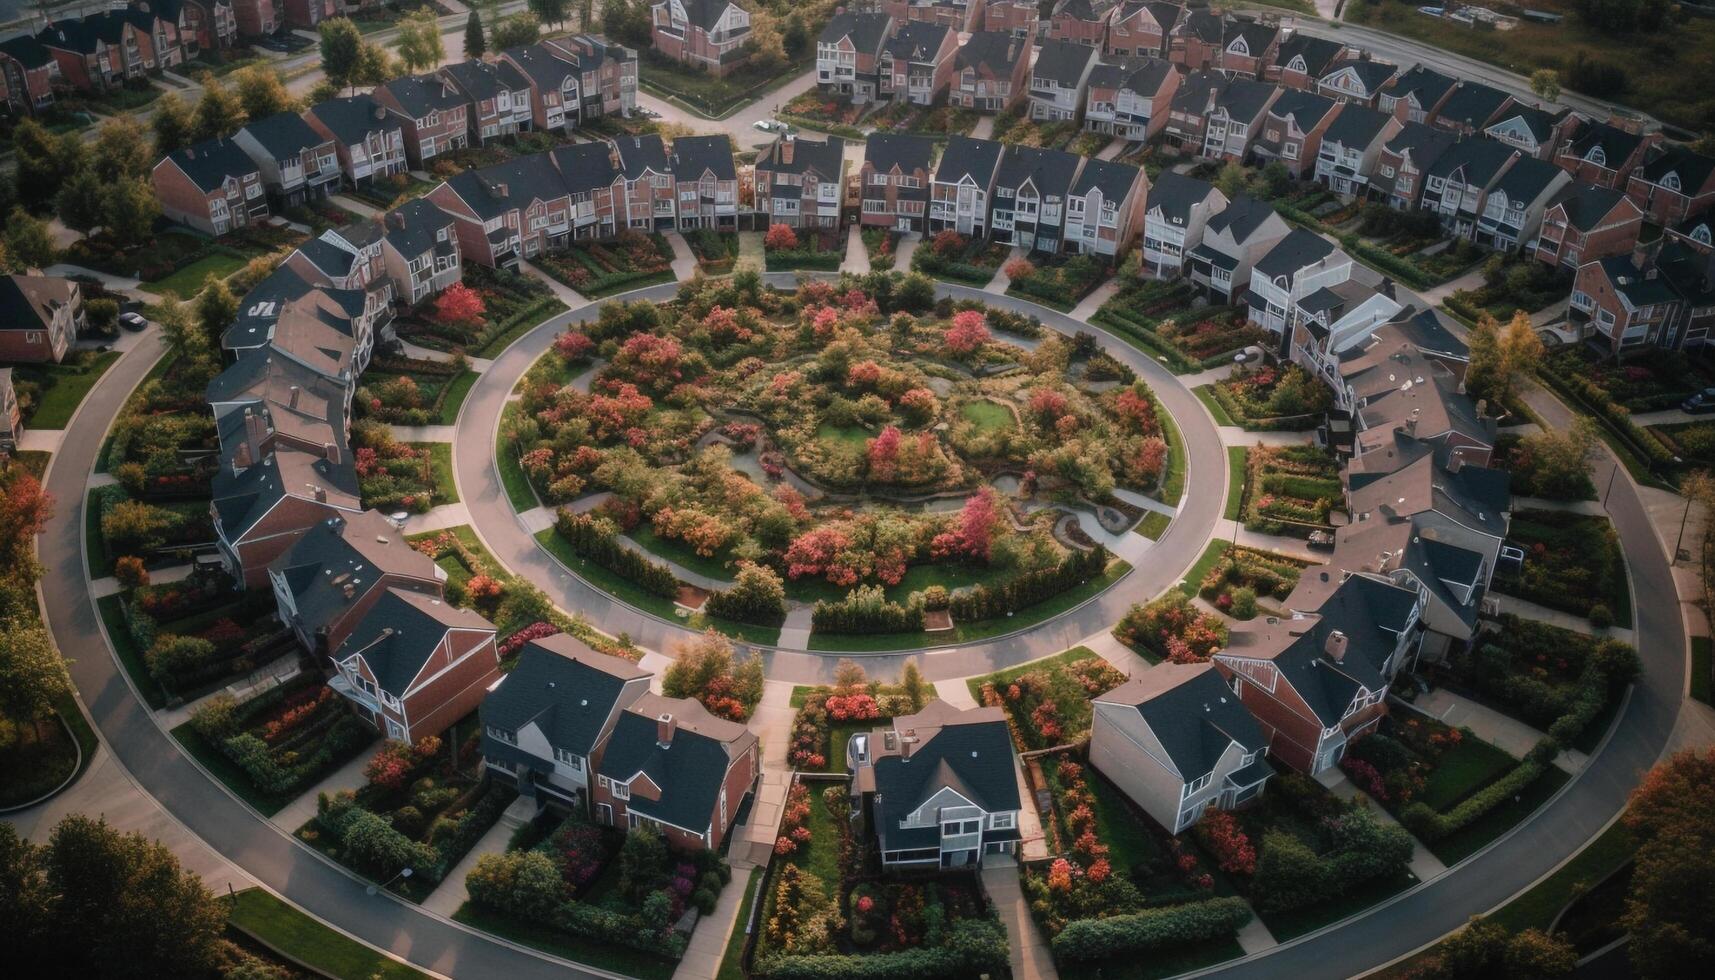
{"x":369,"y":138}
{"x":990,"y":71}
{"x":1675,"y":186}
{"x":1316,"y":682}
{"x":520,"y":208}
{"x":40,"y":318}
{"x":848,"y":54}
{"x":956,"y":15}
{"x":1196,"y":40}
{"x":415,"y":664}
{"x":1421,"y":90}
{"x":594,"y":186}
{"x":1605,"y":154}
{"x":1231,"y":242}
{"x":1356,"y":80}
{"x":937,"y":789}
{"x":607,"y":75}
{"x":964,"y":179}
{"x":1175,"y":742}
{"x":1513,"y":209}
{"x":1030,"y":198}
{"x":431,"y":113}
{"x":308,"y":14}
{"x":799,"y":182}
{"x":1301,"y":61}
{"x":1458,"y":182}
{"x":331,"y":577}
{"x":1175,"y":218}
{"x":1104,"y":209}
{"x":1351,"y":148}
{"x":671,"y":765}
{"x":1082,"y":22}
{"x":1627,"y":308}
{"x":705,"y":183}
{"x":917,"y":62}
{"x":895,"y":180}
{"x":88,"y":61}
{"x":1020,"y":18}
{"x":1688,"y":265}
{"x":709,"y":34}
{"x":1188,"y":114}
{"x":11,"y":416}
{"x":157,"y":34}
{"x":1532,"y":131}
{"x":1470,"y":107}
{"x":1235,"y":118}
{"x":213,"y":186}
{"x":1402,"y":164}
{"x":1247,"y":48}
{"x":28,"y":71}
{"x":1139,"y":30}
{"x":650,"y":200}
{"x":296,"y":162}
{"x":420,"y":250}
{"x":1058,"y":80}
{"x":1293,"y":130}
{"x":1585,"y":222}
{"x":295,"y":407}
{"x":257,"y":18}
{"x":496,"y":95}
{"x":1132,"y":100}
{"x":259,"y":512}
{"x":553,"y":76}
{"x":200,"y":24}
{"x":547,"y":721}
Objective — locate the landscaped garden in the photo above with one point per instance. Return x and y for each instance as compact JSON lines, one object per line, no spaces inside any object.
{"x":829,"y":715}
{"x":1554,"y":464}
{"x":1047,"y":702}
{"x":1059,"y":282}
{"x":394,"y":475}
{"x":1169,"y":627}
{"x":959,"y":258}
{"x":1509,"y":285}
{"x":1290,"y":490}
{"x":1158,"y":317}
{"x":1243,"y":576}
{"x":786,"y":249}
{"x":901,"y":116}
{"x":48,"y":394}
{"x":1267,"y":398}
{"x":414,"y":391}
{"x":1572,"y":562}
{"x":508,"y":304}
{"x":598,"y":269}
{"x":882,"y":246}
{"x":385,"y":193}
{"x":823,"y":113}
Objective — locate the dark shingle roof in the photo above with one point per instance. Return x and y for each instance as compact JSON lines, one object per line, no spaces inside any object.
{"x":1527,"y":178}
{"x":484,"y":80}
{"x":400,"y":633}
{"x":1244,"y":98}
{"x":411,"y":227}
{"x":1539,"y":122}
{"x":638,"y":154}
{"x":29,"y":51}
{"x":1062,"y":61}
{"x":261,"y":307}
{"x":1203,"y":25}
{"x":420,"y":95}
{"x":1355,"y":126}
{"x":1242,"y":216}
{"x":968,"y":157}
{"x":1175,"y":194}
{"x":1257,"y":36}
{"x":823,"y":157}
{"x":1423,"y":142}
{"x":1427,"y":84}
{"x":916,"y":41}
{"x":991,"y":49}
{"x":1479,"y":160}
{"x":544,"y":64}
{"x":585,"y":166}
{"x":527,"y":178}
{"x":690,"y":771}
{"x":705,"y":13}
{"x":339,"y":552}
{"x":1298,"y":249}
{"x":974,"y":759}
{"x":562,"y":686}
{"x":1192,"y":713}
{"x":351,"y":119}
{"x":1141,"y":75}
{"x":1616,"y":144}
{"x":1693,"y":168}
{"x":244,"y":499}
{"x":1114,"y":180}
{"x":693,"y":155}
{"x":1195,"y":92}
{"x":1307,"y":109}
{"x":1638,"y":288}
{"x":884,"y":151}
{"x":284,"y":134}
{"x":1049,"y":171}
{"x":1473,"y":104}
{"x":866,"y":30}
{"x":1317,"y":52}
{"x":209,"y":163}
{"x":1373,"y":74}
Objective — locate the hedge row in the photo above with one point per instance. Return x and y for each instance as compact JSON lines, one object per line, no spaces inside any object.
{"x":1594,"y":398}
{"x":1378,"y":258}
{"x":1428,"y":825}
{"x":1175,"y":925}
{"x":866,"y":610}
{"x":976,"y":947}
{"x":597,"y":540}
{"x":992,"y":602}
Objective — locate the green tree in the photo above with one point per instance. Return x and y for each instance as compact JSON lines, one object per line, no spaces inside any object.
{"x":475,"y":42}
{"x":549,"y":11}
{"x":173,"y":123}
{"x":28,"y":241}
{"x":82,"y":201}
{"x":131,"y":211}
{"x":341,"y":47}
{"x":515,"y":31}
{"x":1289,"y":874}
{"x":122,"y":149}
{"x":216,"y":310}
{"x":796,"y":37}
{"x":1545,"y":82}
{"x":1558,"y":460}
{"x":262,"y":92}
{"x":915,"y":688}
{"x":1231,"y":181}
{"x":420,"y":46}
{"x":179,"y":330}
{"x":32,"y":673}
{"x":374,"y":66}
{"x":219,"y":111}
{"x":1670,"y":911}
{"x":642,"y":860}
{"x":38,"y":174}
{"x":25,"y":903}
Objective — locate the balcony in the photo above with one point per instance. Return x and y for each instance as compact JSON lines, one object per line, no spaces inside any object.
{"x":351,"y":692}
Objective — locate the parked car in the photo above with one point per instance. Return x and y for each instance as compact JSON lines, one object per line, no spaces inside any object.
{"x":1321,"y":540}
{"x":132,"y":321}
{"x":1701,"y":403}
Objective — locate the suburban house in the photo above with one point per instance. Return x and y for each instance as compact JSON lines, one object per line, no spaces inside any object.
{"x":1082,"y":22}
{"x":990,"y":71}
{"x":800,"y":182}
{"x":1437,"y":414}
{"x":1030,"y":195}
{"x":297,"y":163}
{"x":1058,"y":79}
{"x":1690,"y":270}
{"x":1130,"y":100}
{"x":40,"y":318}
{"x":213,"y":186}
{"x":546,"y":722}
{"x":894,"y":181}
{"x":1628,"y":307}
{"x":97,"y":53}
{"x":607,"y":75}
{"x":1457,"y":183}
{"x":650,"y":200}
{"x":1302,"y":60}
{"x":28,"y":71}
{"x":1585,"y":222}
{"x":1605,"y":153}
{"x":1513,"y":209}
{"x":368,"y":137}
{"x":916,"y":63}
{"x":415,"y":664}
{"x":257,"y":18}
{"x":1316,"y":681}
{"x":1336,"y":319}
{"x":332,"y":576}
{"x":1533,"y":131}
{"x":1176,"y":215}
{"x":1177,"y":741}
{"x":260,"y":511}
{"x":708,"y":34}
{"x":307,"y":14}
{"x":1104,"y":210}
{"x":1188,"y":113}
{"x":1248,"y":47}
{"x":432,"y":113}
{"x":1421,"y":89}
{"x":706,"y":183}
{"x":497,"y":97}
{"x":939,"y":788}
{"x":1470,"y":107}
{"x":553,"y":76}
{"x":1297,"y":266}
{"x":848,"y":54}
{"x":1020,"y":18}
{"x":420,"y":250}
{"x":510,"y":209}
{"x":1402,"y":165}
{"x":1293,"y":130}
{"x":1412,"y":347}
{"x":1675,"y":186}
{"x":1233,"y":239}
{"x":1196,"y":40}
{"x":1233,"y":116}
{"x":964,"y":179}
{"x":1138,"y":29}
{"x":1468,"y":506}
{"x":1351,"y":149}
{"x":1357,"y":80}
{"x":957,"y":15}
{"x":671,"y":765}
{"x":200,"y":24}
{"x":594,"y":186}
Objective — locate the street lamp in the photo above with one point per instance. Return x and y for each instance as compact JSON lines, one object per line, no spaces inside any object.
{"x":372,"y":887}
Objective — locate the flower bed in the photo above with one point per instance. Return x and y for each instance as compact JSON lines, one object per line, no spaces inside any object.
{"x":1539,"y":467}
{"x":1572,"y":563}
{"x":406,"y":391}
{"x":786,"y":249}
{"x":510,"y":303}
{"x":1647,"y":382}
{"x":189,"y":653}
{"x":278,"y":743}
{"x":819,"y":111}
{"x":716,"y":252}
{"x":393,"y":475}
{"x":1268,"y":398}
{"x":1510,"y":284}
{"x":882,"y":245}
{"x":959,"y":258}
{"x":1146,"y":314}
{"x":1048,"y":703}
{"x":1415,"y":758}
{"x":1171,"y":628}
{"x":596,"y":269}
{"x":1290,"y":489}
{"x":1243,"y":575}
{"x":901,"y":116}
{"x":1060,"y":282}
{"x":1211,"y":335}
{"x":829,"y":715}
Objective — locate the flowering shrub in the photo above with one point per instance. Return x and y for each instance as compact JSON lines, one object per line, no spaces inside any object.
{"x":1051,"y":704}
{"x":535,"y":631}
{"x":579,"y":849}
{"x":391,"y":767}
{"x":295,"y":715}
{"x":780,"y":237}
{"x":968,"y":332}
{"x":1172,"y":628}
{"x":1220,"y":834}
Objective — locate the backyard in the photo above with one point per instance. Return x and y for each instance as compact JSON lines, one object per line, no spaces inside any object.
{"x":1160,"y":318}
{"x":1047,"y":702}
{"x":410,"y":391}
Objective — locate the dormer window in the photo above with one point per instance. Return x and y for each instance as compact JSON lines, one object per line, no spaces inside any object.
{"x":1670,"y":181}
{"x":502,"y":735}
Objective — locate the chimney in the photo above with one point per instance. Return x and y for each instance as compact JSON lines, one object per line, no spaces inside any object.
{"x":1482,"y":407}
{"x":255,"y":433}
{"x":292,"y":402}
{"x":1386,"y":287}
{"x":1335,"y":648}
{"x":330,"y":452}
{"x":665,"y":727}
{"x":321,"y":495}
{"x":786,"y":146}
{"x":396,"y":219}
{"x":907,"y":744}
{"x":242,"y":459}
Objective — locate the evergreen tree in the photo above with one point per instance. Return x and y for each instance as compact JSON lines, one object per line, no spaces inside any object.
{"x":81,"y":201}
{"x":475,"y":42}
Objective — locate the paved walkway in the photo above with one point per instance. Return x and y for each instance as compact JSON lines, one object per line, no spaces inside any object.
{"x":1025,"y":943}
{"x":1232,"y":435}
{"x":1255,"y":937}
{"x":438,"y":518}
{"x":795,"y":632}
{"x":1470,"y":280}
{"x":702,"y":960}
{"x":1113,"y":149}
{"x":1093,"y":302}
{"x":299,"y":812}
{"x":997,"y":286}
{"x":906,"y":248}
{"x":1109,"y":648}
{"x":424,"y":433}
{"x":424,"y":353}
{"x":684,"y":260}
{"x":750,"y":251}
{"x":955,"y":692}
{"x":41,"y":440}
{"x":355,"y":206}
{"x":1668,"y":416}
{"x":983,"y":129}
{"x":1230,"y":531}
{"x":451,"y":893}
{"x":857,"y":257}
{"x":1422,"y":864}
{"x":119,"y":284}
{"x":1554,"y":617}
{"x":772,"y":722}
{"x":567,"y":294}
{"x":1504,"y":732}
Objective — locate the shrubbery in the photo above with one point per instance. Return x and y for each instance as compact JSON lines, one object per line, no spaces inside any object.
{"x":597,"y":539}
{"x":1028,"y":588}
{"x":1095,"y":939}
{"x":866,"y":609}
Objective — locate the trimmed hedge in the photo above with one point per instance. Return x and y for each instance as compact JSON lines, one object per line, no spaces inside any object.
{"x":866,"y":610}
{"x":1429,"y":826}
{"x":975,"y":947}
{"x":991,"y":602}
{"x":1594,"y":399}
{"x":1120,"y":935}
{"x":598,"y":541}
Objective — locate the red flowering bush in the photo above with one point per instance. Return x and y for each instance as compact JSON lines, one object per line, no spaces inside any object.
{"x":780,"y":238}
{"x":968,"y":333}
{"x":574,"y":345}
{"x":1219,"y":832}
{"x":535,"y":631}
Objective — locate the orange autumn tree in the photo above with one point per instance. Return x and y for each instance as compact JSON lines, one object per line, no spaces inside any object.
{"x":459,"y":304}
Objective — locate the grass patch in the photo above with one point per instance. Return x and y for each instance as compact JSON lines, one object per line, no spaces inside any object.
{"x":1206,"y":395}
{"x":1002,"y":678}
{"x":458,"y":390}
{"x":679,"y":553}
{"x":627,"y":962}
{"x":1462,"y":771}
{"x":1290,"y":925}
{"x":94,"y":546}
{"x":1153,"y":525}
{"x":1700,"y":669}
{"x":189,"y":280}
{"x":283,"y":927}
{"x":512,"y":478}
{"x":836,"y":436}
{"x":732,"y":967}
{"x":37,"y":756}
{"x":1236,"y":456}
{"x":1211,"y":554}
{"x":1599,"y":858}
{"x":1173,"y":481}
{"x":130,"y":658}
{"x":1129,"y":843}
{"x":548,"y":309}
{"x":1463,"y":843}
{"x":988,"y":416}
{"x":441,"y":465}
{"x":64,"y":388}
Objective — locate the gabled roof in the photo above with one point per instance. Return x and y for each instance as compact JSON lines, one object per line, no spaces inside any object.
{"x":495,"y":190}
{"x":995,"y":51}
{"x":1244,"y":98}
{"x":1372,"y":74}
{"x":1693,"y":168}
{"x":866,"y":30}
{"x":245,"y":499}
{"x":1473,"y":104}
{"x":1141,"y":75}
{"x":1084,"y":10}
{"x":884,"y":151}
{"x":29,"y":52}
{"x":352,"y":118}
{"x":483,"y":80}
{"x":1430,"y":410}
{"x":968,"y":751}
{"x":1477,"y":497}
{"x":585,"y":167}
{"x":918,"y":40}
{"x":1409,"y":545}
{"x":567,"y":690}
{"x":640,"y":154}
{"x":208,"y":164}
{"x":967,"y":157}
{"x":1528,"y":178}
{"x":341,"y":552}
{"x":1636,"y":286}
{"x":1355,"y":126}
{"x":1478,"y":160}
{"x":1307,"y":109}
{"x":1427,"y":84}
{"x":401,"y":632}
{"x":332,"y":255}
{"x":1192,"y":713}
{"x":412,"y":227}
{"x":689,"y":770}
{"x":1539,"y":123}
{"x":544,"y":64}
{"x":1317,"y":52}
{"x":1049,"y":171}
{"x":1257,"y":36}
{"x":695,"y":155}
{"x":1406,"y":350}
{"x":1690,"y":273}
{"x":1616,"y":144}
{"x":261,"y":307}
{"x":1298,"y":249}
{"x":705,"y":13}
{"x":1114,"y":180}
{"x":1242,"y":216}
{"x":823,"y":157}
{"x":82,"y":36}
{"x":1174,"y":194}
{"x":1201,"y":24}
{"x":1423,"y":142}
{"x":29,"y":302}
{"x":1198,"y":90}
{"x":1062,"y":61}
{"x":284,"y":134}
{"x":420,"y":95}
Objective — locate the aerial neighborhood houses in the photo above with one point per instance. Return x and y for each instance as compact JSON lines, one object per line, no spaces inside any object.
{"x":707,"y":34}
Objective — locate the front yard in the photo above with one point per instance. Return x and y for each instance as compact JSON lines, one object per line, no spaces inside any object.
{"x":1510,"y":284}
{"x":48,"y":394}
{"x":882,"y":246}
{"x":786,"y":249}
{"x":1047,"y":702}
{"x":1572,"y":562}
{"x":511,"y":305}
{"x":1291,"y":490}
{"x":1243,"y":576}
{"x":1059,"y":282}
{"x":1160,"y":318}
{"x":1269,"y":398}
{"x":958,"y":258}
{"x":716,"y":252}
{"x":598,"y":269}
{"x":410,"y":391}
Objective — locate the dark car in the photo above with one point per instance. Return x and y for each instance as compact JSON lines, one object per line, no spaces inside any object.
{"x":133,"y":321}
{"x":1701,"y":403}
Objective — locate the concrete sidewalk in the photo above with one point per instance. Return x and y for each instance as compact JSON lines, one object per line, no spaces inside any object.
{"x":857,"y":257}
{"x":684,"y":260}
{"x":301,"y":810}
{"x":569,"y":296}
{"x":451,"y":893}
{"x":702,"y":960}
{"x":1504,"y":732}
{"x":1025,"y":943}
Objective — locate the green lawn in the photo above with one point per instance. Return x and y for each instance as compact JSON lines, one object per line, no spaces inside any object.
{"x":1700,"y":669}
{"x":1463,"y":843}
{"x":1118,"y":827}
{"x":1001,"y":678}
{"x":989,"y":416}
{"x":518,"y":490}
{"x":189,"y":280}
{"x":36,"y":758}
{"x":1211,"y":555}
{"x":952,"y":575}
{"x":94,"y":547}
{"x":1206,"y":395}
{"x":64,"y":388}
{"x":1153,"y":525}
{"x":1462,"y":771}
{"x":457,"y":390}
{"x":1537,"y":907}
{"x":731,"y":961}
{"x":618,"y":959}
{"x":680,"y":553}
{"x":302,"y":938}
{"x":441,"y":465}
{"x":1173,"y":481}
{"x":1290,"y":925}
{"x":843,"y":435}
{"x":1236,"y":456}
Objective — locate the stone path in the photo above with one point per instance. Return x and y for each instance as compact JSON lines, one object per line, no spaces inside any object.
{"x":424,"y":433}
{"x":298,"y":812}
{"x":451,"y":893}
{"x":1093,"y":302}
{"x":1554,"y":617}
{"x":438,"y":518}
{"x":1025,"y":943}
{"x":998,"y":284}
{"x":1113,"y":149}
{"x":567,"y":295}
{"x":795,"y":632}
{"x":1470,"y":280}
{"x":857,"y":257}
{"x":1422,"y":864}
{"x":1504,"y":732}
{"x":684,"y":260}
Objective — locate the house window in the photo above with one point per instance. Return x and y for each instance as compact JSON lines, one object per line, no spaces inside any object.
{"x":723,"y":807}
{"x":502,"y":735}
{"x":621,"y":791}
{"x":570,"y":759}
{"x":1001,"y":821}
